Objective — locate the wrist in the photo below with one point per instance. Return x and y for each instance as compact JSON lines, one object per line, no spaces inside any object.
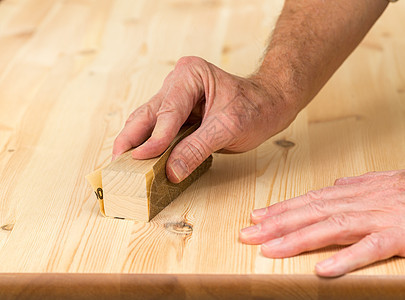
{"x":282,"y":106}
{"x":278,"y":82}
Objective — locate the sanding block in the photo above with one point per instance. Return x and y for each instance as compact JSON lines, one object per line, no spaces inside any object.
{"x":139,"y":189}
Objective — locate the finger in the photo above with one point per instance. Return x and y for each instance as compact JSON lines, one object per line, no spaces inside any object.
{"x":372,"y":248}
{"x":328,"y":193}
{"x":301,"y":217}
{"x":340,"y":229}
{"x":138,"y":127}
{"x":212,"y":135}
{"x":363,"y":178}
{"x":184,"y":91}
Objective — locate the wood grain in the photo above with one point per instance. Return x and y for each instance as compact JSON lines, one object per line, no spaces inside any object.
{"x":72,"y":71}
{"x":205,"y":287}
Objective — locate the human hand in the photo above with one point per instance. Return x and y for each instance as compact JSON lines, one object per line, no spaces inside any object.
{"x":236,"y":114}
{"x":367,"y":211}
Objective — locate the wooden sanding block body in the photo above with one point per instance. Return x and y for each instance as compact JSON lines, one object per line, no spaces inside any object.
{"x":139,"y":189}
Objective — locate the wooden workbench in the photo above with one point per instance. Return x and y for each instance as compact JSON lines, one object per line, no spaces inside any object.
{"x":71,"y":72}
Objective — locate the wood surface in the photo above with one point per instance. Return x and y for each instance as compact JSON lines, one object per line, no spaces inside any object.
{"x":192,"y":286}
{"x":72,"y":71}
{"x":139,"y":189}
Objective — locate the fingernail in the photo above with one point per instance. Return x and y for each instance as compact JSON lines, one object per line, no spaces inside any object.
{"x":179,"y":169}
{"x":259,"y":212}
{"x":324,"y":265}
{"x":273,"y":243}
{"x":250,"y":230}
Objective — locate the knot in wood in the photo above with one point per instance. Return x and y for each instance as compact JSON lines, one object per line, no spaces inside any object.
{"x":182,"y":228}
{"x":8,"y":227}
{"x":284,"y":143}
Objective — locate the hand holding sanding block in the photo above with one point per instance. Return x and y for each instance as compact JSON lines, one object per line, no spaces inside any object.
{"x":139,"y":189}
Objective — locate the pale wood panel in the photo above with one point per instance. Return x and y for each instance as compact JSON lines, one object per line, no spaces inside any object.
{"x":72,"y":71}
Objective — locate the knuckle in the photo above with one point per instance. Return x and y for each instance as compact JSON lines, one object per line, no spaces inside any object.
{"x":317,"y":207}
{"x":277,"y":224}
{"x":168,"y":107}
{"x":145,"y":111}
{"x":195,"y":150}
{"x":176,"y":105}
{"x":341,"y":180}
{"x":283,"y":207}
{"x":187,"y":61}
{"x":342,"y":221}
{"x":349,"y":253}
{"x":374,"y":243}
{"x":315,"y":195}
{"x":300,"y":235}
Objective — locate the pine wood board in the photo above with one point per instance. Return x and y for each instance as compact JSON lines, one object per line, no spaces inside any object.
{"x":72,"y":71}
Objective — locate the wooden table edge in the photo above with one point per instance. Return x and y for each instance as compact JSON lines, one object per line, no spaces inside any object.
{"x":197,"y":286}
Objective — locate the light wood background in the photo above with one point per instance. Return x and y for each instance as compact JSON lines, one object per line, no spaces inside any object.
{"x":72,"y":71}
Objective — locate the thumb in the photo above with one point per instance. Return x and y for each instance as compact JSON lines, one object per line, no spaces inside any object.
{"x":212,"y":135}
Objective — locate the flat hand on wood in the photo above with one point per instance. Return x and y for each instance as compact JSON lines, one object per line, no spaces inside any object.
{"x":367,"y":211}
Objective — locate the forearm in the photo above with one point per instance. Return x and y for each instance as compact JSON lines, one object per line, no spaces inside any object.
{"x":311,"y":40}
